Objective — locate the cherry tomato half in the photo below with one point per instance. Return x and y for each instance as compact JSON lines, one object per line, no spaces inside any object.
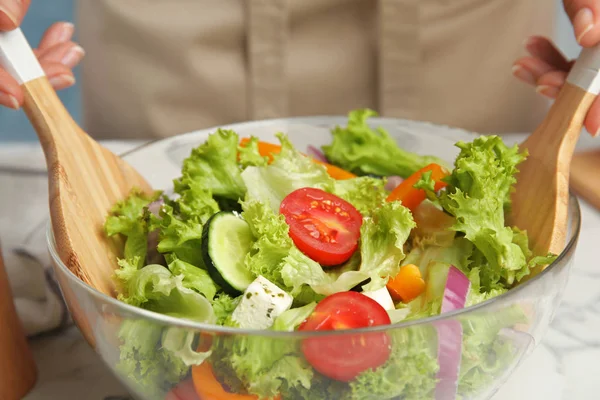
{"x":344,"y":357}
{"x":323,"y":226}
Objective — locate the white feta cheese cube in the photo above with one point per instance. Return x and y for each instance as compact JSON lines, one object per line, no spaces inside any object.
{"x":382,"y":296}
{"x":261,"y":303}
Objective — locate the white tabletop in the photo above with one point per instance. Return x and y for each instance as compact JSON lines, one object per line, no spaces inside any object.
{"x":564,"y":366}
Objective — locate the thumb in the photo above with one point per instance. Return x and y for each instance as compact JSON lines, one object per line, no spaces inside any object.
{"x":12,"y":13}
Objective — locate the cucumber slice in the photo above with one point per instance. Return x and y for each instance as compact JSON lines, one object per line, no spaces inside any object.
{"x":226,"y":239}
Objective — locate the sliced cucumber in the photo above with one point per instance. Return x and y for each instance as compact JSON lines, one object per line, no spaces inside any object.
{"x":226,"y":239}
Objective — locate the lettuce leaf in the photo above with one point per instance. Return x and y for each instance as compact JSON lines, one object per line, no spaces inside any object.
{"x":259,"y":365}
{"x":478,"y":196}
{"x":180,"y":237}
{"x":382,"y":239}
{"x":272,"y":244}
{"x":250,"y":156}
{"x":289,"y":320}
{"x":129,"y":218}
{"x":363,"y":192}
{"x":155,"y":288}
{"x":146,"y":363}
{"x":214,"y":166}
{"x":290,"y":170}
{"x":194,"y":278}
{"x":409,"y":373}
{"x":365,"y":151}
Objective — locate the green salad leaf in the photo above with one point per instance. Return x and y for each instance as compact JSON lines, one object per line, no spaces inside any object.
{"x":153,"y":368}
{"x":180,"y":237}
{"x":290,"y":170}
{"x":363,"y":192}
{"x":272,"y":244}
{"x":477,"y":196}
{"x":259,"y":365}
{"x":364,"y":151}
{"x":155,"y":288}
{"x":250,"y":156}
{"x":130,"y":219}
{"x":181,"y":343}
{"x":223,"y":306}
{"x":382,"y":239}
{"x":194,"y":278}
{"x":213,"y":166}
{"x":289,"y":320}
{"x":409,"y":373}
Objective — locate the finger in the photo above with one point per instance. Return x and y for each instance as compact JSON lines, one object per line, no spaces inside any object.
{"x":12,"y":13}
{"x":592,"y":120}
{"x":530,"y":69}
{"x":543,"y":49}
{"x":59,"y":32}
{"x":69,"y":54}
{"x":584,"y":15}
{"x":11,"y":94}
{"x":60,"y":76}
{"x":550,"y":84}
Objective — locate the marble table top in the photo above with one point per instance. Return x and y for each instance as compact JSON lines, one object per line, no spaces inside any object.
{"x":564,"y":366}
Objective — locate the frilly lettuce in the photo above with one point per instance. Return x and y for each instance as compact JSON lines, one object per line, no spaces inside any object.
{"x":155,"y":288}
{"x":364,"y":151}
{"x":477,"y":196}
{"x":129,"y":218}
{"x":249,"y":154}
{"x":363,"y":192}
{"x":146,"y":363}
{"x":290,"y":170}
{"x":214,"y":167}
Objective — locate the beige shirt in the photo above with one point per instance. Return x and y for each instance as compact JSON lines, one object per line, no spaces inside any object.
{"x":156,"y":68}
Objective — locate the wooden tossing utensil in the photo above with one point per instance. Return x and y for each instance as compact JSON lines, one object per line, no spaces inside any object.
{"x":85,"y":179}
{"x":585,"y":176}
{"x":541,"y":198}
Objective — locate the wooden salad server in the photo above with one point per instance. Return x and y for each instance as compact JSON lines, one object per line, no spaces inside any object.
{"x":85,"y":179}
{"x":541,"y":199}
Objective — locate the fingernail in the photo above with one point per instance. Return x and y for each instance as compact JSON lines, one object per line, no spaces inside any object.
{"x":9,"y":15}
{"x":66,"y":32}
{"x":523,"y":74}
{"x":583,"y":23}
{"x":529,"y":42}
{"x":596,"y":133}
{"x":62,"y":81}
{"x":9,"y":101}
{"x":548,"y":91}
{"x":73,"y":56}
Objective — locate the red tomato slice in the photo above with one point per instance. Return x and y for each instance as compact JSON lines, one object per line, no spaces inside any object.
{"x":323,"y":226}
{"x":344,"y":357}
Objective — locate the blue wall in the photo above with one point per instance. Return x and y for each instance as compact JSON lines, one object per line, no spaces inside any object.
{"x":14,"y":126}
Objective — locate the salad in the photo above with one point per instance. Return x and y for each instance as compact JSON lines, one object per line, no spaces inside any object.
{"x":260,"y":236}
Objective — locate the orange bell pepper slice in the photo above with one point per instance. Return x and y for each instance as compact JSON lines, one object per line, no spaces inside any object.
{"x":268,"y":149}
{"x":208,"y":387}
{"x":205,"y":382}
{"x":407,"y":285}
{"x":412,"y":197}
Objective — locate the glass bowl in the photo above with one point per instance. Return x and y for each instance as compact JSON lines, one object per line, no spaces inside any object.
{"x":491,"y":338}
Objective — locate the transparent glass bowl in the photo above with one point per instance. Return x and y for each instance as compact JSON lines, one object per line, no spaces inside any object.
{"x":496,"y":335}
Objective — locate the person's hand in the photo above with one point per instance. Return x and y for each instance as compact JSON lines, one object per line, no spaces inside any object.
{"x":56,"y":52}
{"x":546,"y":68}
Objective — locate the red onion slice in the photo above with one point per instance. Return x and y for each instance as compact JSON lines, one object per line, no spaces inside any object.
{"x":316,"y":154}
{"x":450,"y":335}
{"x":393,"y":182}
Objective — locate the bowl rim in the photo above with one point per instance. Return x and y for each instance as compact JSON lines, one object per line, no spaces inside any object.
{"x":218,"y":329}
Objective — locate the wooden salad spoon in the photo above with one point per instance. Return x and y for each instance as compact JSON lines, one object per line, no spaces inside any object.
{"x":85,"y":179}
{"x":541,"y":197}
